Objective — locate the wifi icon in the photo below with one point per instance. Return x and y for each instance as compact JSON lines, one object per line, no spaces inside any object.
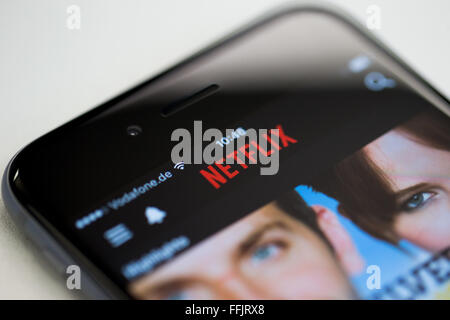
{"x":179,"y":165}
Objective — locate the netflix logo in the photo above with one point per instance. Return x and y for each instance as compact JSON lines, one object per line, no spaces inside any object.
{"x":262,"y":148}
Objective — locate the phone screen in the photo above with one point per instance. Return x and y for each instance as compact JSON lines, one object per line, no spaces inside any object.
{"x":330,"y":178}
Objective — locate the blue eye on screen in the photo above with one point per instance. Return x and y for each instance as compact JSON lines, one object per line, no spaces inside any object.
{"x":265,"y":252}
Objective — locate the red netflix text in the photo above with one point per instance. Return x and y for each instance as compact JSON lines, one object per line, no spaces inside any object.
{"x":219,"y":173}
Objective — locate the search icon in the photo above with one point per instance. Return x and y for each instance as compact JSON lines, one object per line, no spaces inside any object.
{"x":376,"y":81}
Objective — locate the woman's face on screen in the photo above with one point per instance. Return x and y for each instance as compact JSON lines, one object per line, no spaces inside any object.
{"x":420,"y":178}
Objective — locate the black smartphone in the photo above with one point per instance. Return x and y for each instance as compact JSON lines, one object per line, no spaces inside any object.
{"x":296,"y":159}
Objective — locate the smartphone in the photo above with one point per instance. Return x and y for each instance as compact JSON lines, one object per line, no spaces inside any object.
{"x":297,"y":158}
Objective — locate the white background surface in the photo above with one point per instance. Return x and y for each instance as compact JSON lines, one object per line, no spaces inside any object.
{"x":49,"y":74}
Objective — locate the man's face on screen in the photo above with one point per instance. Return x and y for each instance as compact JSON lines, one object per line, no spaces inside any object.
{"x":266,"y":255}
